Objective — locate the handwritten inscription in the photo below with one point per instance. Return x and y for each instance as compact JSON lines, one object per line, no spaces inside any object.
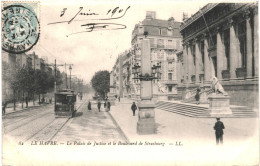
{"x":111,"y":14}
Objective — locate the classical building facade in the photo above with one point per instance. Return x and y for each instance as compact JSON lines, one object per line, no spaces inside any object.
{"x":221,"y":40}
{"x":165,"y":41}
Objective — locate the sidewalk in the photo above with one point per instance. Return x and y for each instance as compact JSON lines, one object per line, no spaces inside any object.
{"x":10,"y":108}
{"x":241,"y":136}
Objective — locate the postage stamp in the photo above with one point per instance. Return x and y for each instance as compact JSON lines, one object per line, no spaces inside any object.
{"x":20,"y":26}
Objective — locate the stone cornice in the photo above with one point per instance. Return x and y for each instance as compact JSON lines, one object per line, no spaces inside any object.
{"x":236,"y":10}
{"x":197,"y":15}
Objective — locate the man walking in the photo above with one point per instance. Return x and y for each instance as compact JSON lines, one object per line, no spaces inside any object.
{"x":108,"y":106}
{"x":133,"y":107}
{"x":89,"y":106}
{"x":219,"y":126}
{"x":99,"y":105}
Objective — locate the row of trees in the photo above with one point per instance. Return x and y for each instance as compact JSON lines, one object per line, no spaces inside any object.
{"x":101,"y":83}
{"x":25,"y":80}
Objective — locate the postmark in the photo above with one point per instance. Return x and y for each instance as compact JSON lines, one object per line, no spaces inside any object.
{"x":20,"y":28}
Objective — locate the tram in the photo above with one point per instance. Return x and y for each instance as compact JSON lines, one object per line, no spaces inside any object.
{"x":65,"y":103}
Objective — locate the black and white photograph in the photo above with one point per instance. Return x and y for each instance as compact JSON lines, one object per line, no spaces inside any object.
{"x":130,"y":83}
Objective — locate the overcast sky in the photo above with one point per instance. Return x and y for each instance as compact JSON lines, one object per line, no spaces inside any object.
{"x":93,"y":51}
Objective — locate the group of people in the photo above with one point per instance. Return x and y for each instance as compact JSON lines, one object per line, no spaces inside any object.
{"x":107,"y":105}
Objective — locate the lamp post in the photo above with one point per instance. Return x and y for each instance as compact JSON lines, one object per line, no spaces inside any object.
{"x":70,"y":68}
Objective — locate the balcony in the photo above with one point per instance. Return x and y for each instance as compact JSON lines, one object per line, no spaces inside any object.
{"x":170,"y":82}
{"x":153,"y":45}
{"x":170,"y":58}
{"x":170,"y":46}
{"x":160,"y":46}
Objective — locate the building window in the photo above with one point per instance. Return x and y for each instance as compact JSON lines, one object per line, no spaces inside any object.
{"x":227,"y":47}
{"x":178,"y":45}
{"x":170,"y":65}
{"x":170,"y":88}
{"x":160,"y":31}
{"x":160,"y":41}
{"x":169,"y":76}
{"x":169,"y":32}
{"x":141,"y":30}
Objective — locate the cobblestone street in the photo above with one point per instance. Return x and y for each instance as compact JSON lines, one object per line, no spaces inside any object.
{"x":90,"y":126}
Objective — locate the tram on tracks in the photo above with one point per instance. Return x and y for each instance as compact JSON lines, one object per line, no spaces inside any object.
{"x":64,"y":105}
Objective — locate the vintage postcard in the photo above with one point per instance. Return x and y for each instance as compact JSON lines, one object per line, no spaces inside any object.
{"x":130,"y":83}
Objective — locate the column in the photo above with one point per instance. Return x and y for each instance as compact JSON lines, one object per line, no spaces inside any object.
{"x":256,"y":53}
{"x":220,"y":54}
{"x":146,"y":115}
{"x":186,"y":64}
{"x":198,"y":61}
{"x":190,"y":63}
{"x":206,"y":61}
{"x":233,"y":51}
{"x":249,"y":57}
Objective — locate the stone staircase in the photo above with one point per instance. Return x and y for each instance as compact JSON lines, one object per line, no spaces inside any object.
{"x":197,"y":111}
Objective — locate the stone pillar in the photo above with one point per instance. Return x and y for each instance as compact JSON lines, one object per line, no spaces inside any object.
{"x":146,"y":122}
{"x":206,"y":61}
{"x":249,"y":56}
{"x":256,"y":53}
{"x":234,"y":45}
{"x":190,"y":63}
{"x":198,"y":62}
{"x":186,"y":63}
{"x":220,"y":55}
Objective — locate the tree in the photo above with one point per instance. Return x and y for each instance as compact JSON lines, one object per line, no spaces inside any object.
{"x":42,"y":82}
{"x":100,"y":82}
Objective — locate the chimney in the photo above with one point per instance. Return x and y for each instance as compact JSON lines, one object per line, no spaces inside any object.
{"x":150,"y":15}
{"x":184,"y":17}
{"x":171,"y":21}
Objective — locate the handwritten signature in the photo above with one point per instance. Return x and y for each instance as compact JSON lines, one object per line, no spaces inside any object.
{"x":116,"y":13}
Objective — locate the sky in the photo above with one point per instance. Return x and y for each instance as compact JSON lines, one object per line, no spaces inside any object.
{"x":90,"y":52}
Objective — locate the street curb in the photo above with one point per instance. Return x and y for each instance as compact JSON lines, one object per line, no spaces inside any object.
{"x":119,"y":128}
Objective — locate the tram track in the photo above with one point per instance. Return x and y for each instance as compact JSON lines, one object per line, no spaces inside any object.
{"x":27,"y":116}
{"x":50,"y":130}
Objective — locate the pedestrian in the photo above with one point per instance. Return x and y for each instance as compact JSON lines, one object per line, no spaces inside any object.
{"x":99,"y":105}
{"x":26,"y":102}
{"x":4,"y":104}
{"x":89,"y":105}
{"x":105,"y":104}
{"x":119,"y":98}
{"x":197,"y":96}
{"x":133,"y":107}
{"x":108,"y":106}
{"x":219,"y":126}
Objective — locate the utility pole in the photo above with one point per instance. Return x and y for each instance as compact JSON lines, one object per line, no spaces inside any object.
{"x":55,"y":76}
{"x":66,"y":83}
{"x":66,"y":76}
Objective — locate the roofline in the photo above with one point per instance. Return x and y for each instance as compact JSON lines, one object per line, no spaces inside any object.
{"x":197,"y":15}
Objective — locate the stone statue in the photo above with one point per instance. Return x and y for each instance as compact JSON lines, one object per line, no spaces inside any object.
{"x":161,"y":88}
{"x":217,"y":87}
